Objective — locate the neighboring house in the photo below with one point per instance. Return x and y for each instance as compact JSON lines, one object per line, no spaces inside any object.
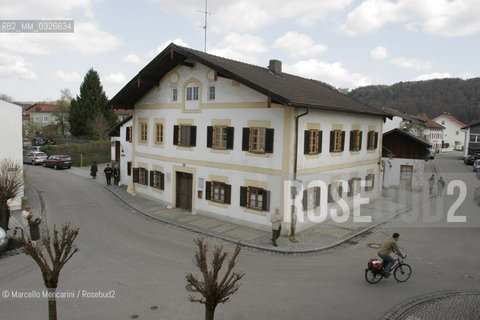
{"x":11,"y":133}
{"x":42,"y":115}
{"x":122,"y":114}
{"x":224,"y":138}
{"x":453,"y":133}
{"x":404,"y":121}
{"x":121,"y":152}
{"x":403,"y":159}
{"x":472,"y":139}
{"x":433,"y":133}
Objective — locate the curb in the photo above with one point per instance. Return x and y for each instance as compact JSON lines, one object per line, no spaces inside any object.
{"x":401,"y":310}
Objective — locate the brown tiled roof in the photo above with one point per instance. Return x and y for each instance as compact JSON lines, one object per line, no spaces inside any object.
{"x":449,"y":116}
{"x":406,"y":116}
{"x":430,"y":123}
{"x":283,"y":88}
{"x":42,"y":107}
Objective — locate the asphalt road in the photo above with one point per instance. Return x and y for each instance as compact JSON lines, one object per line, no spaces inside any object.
{"x":143,"y":263}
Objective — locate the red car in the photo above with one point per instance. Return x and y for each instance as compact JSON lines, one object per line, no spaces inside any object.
{"x":58,"y":161}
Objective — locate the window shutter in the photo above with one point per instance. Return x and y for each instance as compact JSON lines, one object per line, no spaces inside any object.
{"x":151,"y":178}
{"x":228,"y":193}
{"x":320,"y":136}
{"x":343,"y":140}
{"x":306,"y":142}
{"x":175,"y":135}
{"x":330,"y":198}
{"x":136,"y":175}
{"x":304,"y":200}
{"x":332,"y":140}
{"x":127,"y":134}
{"x":209,"y":136}
{"x":208,"y":190}
{"x":162,"y":181}
{"x":376,"y":140}
{"x":317,"y":196}
{"x":269,"y":134}
{"x":360,"y":143}
{"x":243,"y":196}
{"x":266,"y":201}
{"x":352,"y":135}
{"x":230,"y":132}
{"x":350,"y":187}
{"x":193,"y":136}
{"x":129,"y":168}
{"x":245,"y":139}
{"x":372,"y":178}
{"x":146,"y":177}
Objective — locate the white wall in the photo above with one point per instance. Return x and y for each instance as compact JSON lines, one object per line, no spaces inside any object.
{"x":11,"y":133}
{"x":391,"y":173}
{"x":452,"y":132}
{"x":125,"y":152}
{"x":391,"y":124}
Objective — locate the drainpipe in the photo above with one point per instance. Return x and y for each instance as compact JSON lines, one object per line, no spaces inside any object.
{"x":295,"y":150}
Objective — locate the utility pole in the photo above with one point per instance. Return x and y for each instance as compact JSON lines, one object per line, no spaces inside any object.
{"x":206,"y":13}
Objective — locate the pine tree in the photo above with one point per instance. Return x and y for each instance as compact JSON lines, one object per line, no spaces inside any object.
{"x":86,"y":107}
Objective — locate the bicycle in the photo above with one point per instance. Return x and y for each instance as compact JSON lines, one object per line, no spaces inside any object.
{"x":374,"y":271}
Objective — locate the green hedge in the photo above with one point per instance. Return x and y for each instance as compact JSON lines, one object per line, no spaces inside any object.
{"x":98,"y":151}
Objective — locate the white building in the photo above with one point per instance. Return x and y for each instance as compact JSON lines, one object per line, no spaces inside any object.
{"x":404,"y":121}
{"x":224,"y":138}
{"x":453,"y":133}
{"x":433,"y":133}
{"x":11,"y":133}
{"x":121,"y":151}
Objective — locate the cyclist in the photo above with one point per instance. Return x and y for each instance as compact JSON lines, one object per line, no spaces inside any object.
{"x":389,"y":245}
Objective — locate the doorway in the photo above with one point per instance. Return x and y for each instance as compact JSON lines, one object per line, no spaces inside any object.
{"x":184,"y":190}
{"x":406,"y":175}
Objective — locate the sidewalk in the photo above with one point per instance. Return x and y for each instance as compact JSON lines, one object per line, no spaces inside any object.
{"x":328,"y":235}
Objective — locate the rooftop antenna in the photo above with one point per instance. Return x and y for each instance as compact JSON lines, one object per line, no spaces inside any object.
{"x":205,"y":25}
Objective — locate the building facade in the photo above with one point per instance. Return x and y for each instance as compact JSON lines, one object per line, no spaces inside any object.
{"x":11,"y":132}
{"x":453,"y":133}
{"x":218,"y":137}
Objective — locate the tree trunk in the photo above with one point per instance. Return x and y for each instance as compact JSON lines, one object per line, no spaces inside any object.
{"x":52,"y":304}
{"x":209,"y":311}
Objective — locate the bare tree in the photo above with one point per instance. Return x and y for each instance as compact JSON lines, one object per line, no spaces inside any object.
{"x":63,"y":112}
{"x":213,"y":291}
{"x":11,"y":184}
{"x":60,"y":250}
{"x":99,"y":127}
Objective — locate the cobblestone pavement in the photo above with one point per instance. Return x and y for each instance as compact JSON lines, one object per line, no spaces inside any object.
{"x":451,"y":305}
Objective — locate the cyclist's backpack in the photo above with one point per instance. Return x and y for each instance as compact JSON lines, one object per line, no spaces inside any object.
{"x":375,"y":264}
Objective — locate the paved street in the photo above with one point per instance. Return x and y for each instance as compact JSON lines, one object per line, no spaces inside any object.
{"x":144,"y":262}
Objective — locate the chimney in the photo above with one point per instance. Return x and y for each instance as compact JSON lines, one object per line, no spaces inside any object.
{"x":275,"y":66}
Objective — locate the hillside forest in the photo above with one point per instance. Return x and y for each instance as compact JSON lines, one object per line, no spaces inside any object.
{"x":460,"y":98}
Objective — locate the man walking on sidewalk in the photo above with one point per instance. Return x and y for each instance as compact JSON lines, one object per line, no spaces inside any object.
{"x":108,"y":174}
{"x":276,"y":220}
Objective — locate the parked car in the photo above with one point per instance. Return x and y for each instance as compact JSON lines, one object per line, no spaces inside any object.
{"x":469,"y":160}
{"x":3,"y":240}
{"x":42,"y":141}
{"x":476,"y":165}
{"x":431,"y":155}
{"x":34,"y":157}
{"x":58,"y":161}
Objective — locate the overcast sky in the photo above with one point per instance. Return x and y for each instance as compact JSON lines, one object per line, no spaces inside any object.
{"x":346,"y":43}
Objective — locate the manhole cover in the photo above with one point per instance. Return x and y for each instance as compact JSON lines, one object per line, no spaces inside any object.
{"x":374,"y":245}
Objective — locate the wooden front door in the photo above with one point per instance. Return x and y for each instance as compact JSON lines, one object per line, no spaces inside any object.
{"x":184,"y":190}
{"x":406,"y":175}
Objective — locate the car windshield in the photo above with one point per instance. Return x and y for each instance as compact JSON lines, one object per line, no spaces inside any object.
{"x":41,"y":154}
{"x":67,"y":158}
